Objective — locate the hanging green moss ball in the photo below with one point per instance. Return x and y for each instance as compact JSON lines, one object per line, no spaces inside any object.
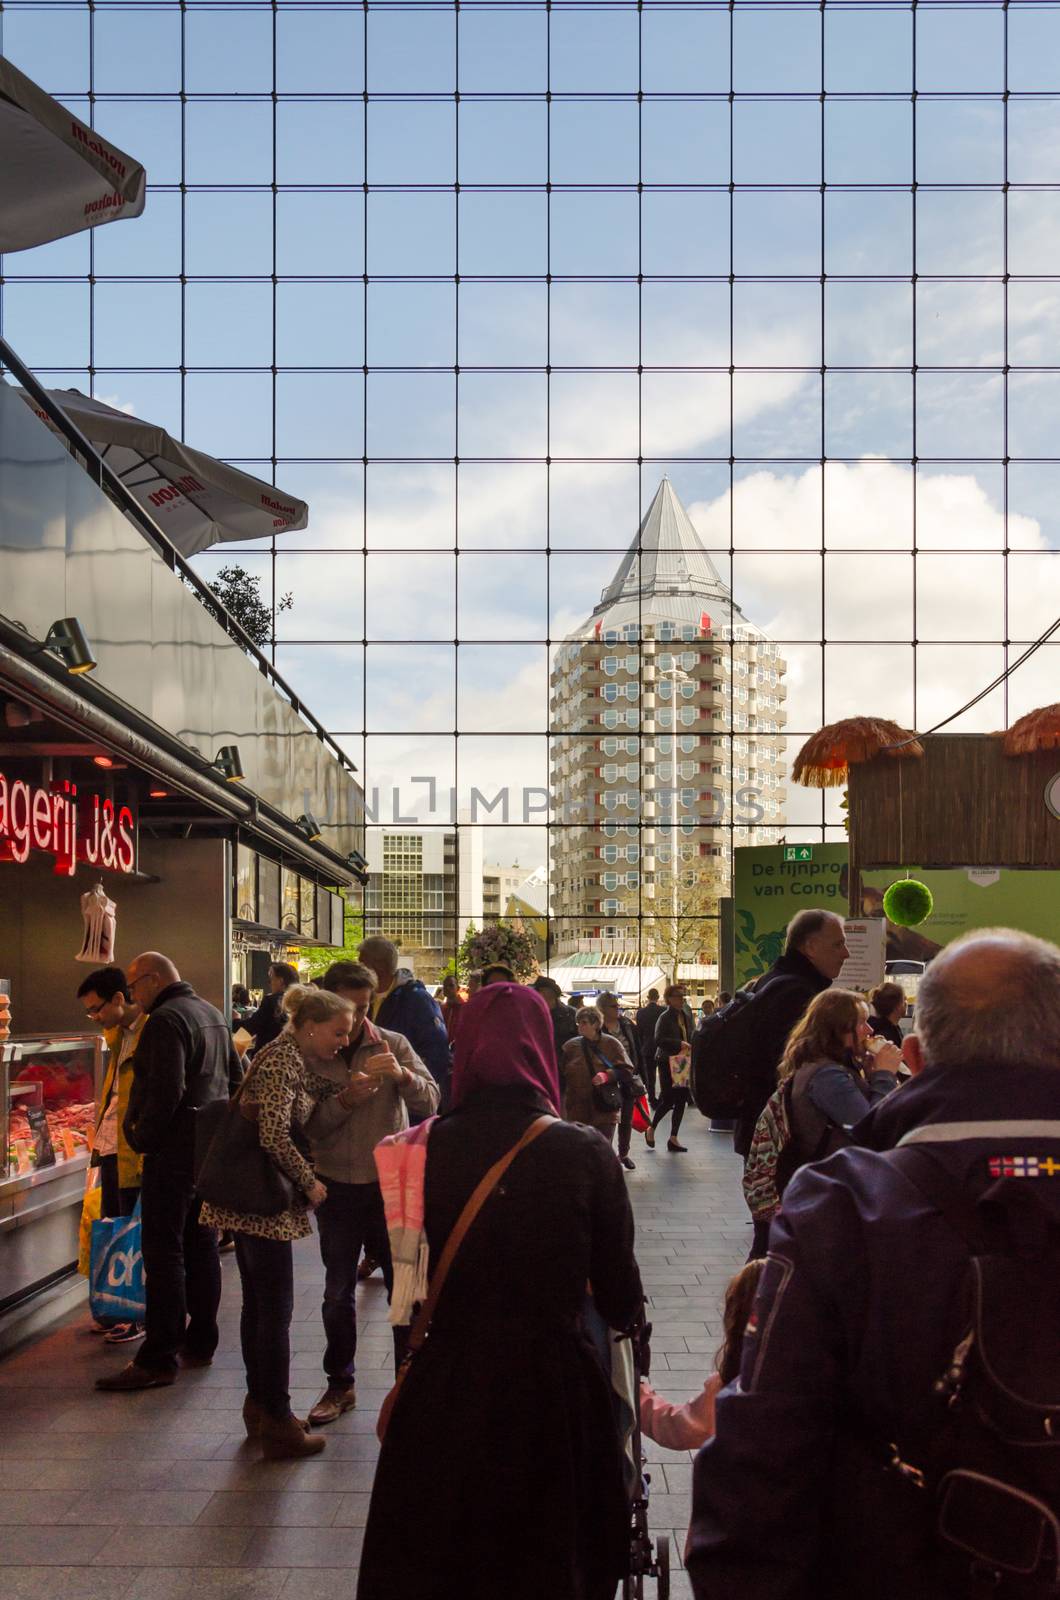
{"x":908,"y":902}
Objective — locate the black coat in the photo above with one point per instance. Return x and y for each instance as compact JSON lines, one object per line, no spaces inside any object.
{"x":781,"y":998}
{"x":564,"y":1025}
{"x":185,"y":1059}
{"x":267,"y":1023}
{"x":647,"y":1017}
{"x":668,"y":1036}
{"x":501,"y":1472}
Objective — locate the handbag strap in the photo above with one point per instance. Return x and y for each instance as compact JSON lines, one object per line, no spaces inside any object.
{"x":479,"y":1196}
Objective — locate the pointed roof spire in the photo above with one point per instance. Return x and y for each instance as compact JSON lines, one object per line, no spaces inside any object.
{"x":666,"y":558}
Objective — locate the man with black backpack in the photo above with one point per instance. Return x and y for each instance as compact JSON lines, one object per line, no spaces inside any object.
{"x":895,"y":1430}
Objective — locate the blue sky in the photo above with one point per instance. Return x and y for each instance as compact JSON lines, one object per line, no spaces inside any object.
{"x":769,"y":518}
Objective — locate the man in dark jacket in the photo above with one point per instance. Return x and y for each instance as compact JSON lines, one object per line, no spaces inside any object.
{"x":185,"y":1059}
{"x":564,"y":1017}
{"x":647,"y":1018}
{"x":861,"y":1303}
{"x":814,"y":952}
{"x":621,"y":1028}
{"x":402,"y":1005}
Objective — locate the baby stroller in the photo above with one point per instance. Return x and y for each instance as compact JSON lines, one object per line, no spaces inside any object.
{"x":624,"y":1358}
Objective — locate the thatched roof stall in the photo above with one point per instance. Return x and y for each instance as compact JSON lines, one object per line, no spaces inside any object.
{"x":966,"y":804}
{"x":1038,"y":730}
{"x":825,"y":759}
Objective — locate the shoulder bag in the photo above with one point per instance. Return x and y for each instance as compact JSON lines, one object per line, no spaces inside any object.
{"x":607,"y":1096}
{"x":421,"y":1325}
{"x":232,"y":1171}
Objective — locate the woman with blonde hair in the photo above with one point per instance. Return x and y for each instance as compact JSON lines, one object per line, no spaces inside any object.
{"x":838,"y":1070}
{"x":279,"y":1092}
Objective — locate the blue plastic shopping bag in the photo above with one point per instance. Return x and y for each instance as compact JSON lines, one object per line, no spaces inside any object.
{"x":116,"y":1270}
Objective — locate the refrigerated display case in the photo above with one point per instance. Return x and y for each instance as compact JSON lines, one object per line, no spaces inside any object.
{"x":49,"y":1087}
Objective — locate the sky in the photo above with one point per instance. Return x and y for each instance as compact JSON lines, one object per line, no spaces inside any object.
{"x":796,"y":466}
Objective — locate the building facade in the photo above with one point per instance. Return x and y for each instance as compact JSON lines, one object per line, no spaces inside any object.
{"x":425,"y":887}
{"x":668,"y":711}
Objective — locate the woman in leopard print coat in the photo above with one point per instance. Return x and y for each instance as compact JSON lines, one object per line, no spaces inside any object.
{"x":280,"y":1092}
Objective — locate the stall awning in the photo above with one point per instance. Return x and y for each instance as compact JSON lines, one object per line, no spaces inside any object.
{"x":58,"y":175}
{"x":196,"y":500}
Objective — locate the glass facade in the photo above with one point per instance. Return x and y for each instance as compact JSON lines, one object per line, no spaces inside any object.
{"x":472,"y":281}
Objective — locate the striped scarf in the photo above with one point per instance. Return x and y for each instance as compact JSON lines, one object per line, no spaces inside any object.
{"x":401,"y":1162}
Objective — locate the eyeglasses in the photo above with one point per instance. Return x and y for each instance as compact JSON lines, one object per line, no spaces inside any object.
{"x":94,"y":1011}
{"x":143,"y":978}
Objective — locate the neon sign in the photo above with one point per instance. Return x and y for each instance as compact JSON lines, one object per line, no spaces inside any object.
{"x":57,"y":822}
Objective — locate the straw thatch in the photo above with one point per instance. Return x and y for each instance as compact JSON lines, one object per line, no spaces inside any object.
{"x":825,"y":759}
{"x":1038,"y":730}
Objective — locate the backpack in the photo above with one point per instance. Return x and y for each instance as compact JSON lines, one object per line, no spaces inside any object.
{"x":994,"y":1468}
{"x":774,"y":1156}
{"x":980,"y":1513}
{"x":718,"y":1054}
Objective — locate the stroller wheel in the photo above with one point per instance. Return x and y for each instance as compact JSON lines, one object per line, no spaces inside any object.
{"x":662,"y":1558}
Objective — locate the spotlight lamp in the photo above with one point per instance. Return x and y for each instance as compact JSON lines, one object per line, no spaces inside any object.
{"x":228,"y":764}
{"x":359,"y":867}
{"x":70,"y":643}
{"x":310,"y":827}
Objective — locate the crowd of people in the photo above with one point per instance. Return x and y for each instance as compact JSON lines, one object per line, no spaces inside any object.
{"x":468,"y":1149}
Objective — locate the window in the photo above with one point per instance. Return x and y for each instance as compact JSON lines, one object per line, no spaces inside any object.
{"x":942,"y":175}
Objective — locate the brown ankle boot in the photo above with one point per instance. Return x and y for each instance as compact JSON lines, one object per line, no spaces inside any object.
{"x":252,"y":1417}
{"x":288,"y":1440}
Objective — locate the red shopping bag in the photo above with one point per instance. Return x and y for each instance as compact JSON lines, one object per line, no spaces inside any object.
{"x":641,"y":1114}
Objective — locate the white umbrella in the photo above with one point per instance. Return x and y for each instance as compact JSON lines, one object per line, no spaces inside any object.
{"x":57,"y":174}
{"x":196,"y":500}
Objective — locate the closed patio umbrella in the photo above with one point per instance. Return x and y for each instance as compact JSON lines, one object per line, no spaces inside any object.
{"x":57,"y":175}
{"x":196,"y":500}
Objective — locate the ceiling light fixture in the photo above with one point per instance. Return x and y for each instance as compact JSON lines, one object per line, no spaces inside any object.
{"x":70,"y":642}
{"x":227,"y":762}
{"x":310,"y":827}
{"x":359,"y":867}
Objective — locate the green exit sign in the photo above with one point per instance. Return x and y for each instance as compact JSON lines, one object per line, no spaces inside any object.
{"x":798,"y":852}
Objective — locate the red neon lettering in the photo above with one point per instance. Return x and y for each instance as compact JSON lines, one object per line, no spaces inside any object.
{"x":43,"y":838}
{"x":47,"y":820}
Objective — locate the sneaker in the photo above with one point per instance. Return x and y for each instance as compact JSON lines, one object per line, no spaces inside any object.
{"x":123,"y":1333}
{"x":629,"y":1165}
{"x":332,"y":1403}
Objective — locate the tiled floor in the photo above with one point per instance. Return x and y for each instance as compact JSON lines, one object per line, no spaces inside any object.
{"x":163,"y":1492}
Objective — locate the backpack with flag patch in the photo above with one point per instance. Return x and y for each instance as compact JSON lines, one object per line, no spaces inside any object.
{"x":994,"y":1469}
{"x":975,"y":1513}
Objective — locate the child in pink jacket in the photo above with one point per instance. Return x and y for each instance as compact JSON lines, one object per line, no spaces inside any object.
{"x":687,"y":1427}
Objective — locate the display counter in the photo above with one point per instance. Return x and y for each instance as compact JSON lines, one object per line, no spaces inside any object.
{"x":49,"y":1086}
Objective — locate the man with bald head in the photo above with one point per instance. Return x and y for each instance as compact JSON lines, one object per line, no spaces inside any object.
{"x":185,"y":1060}
{"x":862,"y":1302}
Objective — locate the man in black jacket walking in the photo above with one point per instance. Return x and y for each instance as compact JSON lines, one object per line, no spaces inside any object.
{"x":647,"y":1018}
{"x":185,"y":1060}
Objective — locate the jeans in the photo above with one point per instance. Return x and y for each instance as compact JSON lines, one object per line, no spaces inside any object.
{"x":114,"y":1201}
{"x":266,"y":1270}
{"x":670,"y":1099}
{"x":182,"y":1270}
{"x":350,"y":1219}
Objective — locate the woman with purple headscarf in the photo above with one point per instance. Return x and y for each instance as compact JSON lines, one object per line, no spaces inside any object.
{"x":501,"y":1472}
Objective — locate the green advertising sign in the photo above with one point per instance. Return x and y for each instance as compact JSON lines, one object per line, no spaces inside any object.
{"x":966,"y":898}
{"x":771,"y":882}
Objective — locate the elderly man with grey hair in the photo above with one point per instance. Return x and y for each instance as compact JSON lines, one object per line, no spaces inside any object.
{"x":862,"y":1303}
